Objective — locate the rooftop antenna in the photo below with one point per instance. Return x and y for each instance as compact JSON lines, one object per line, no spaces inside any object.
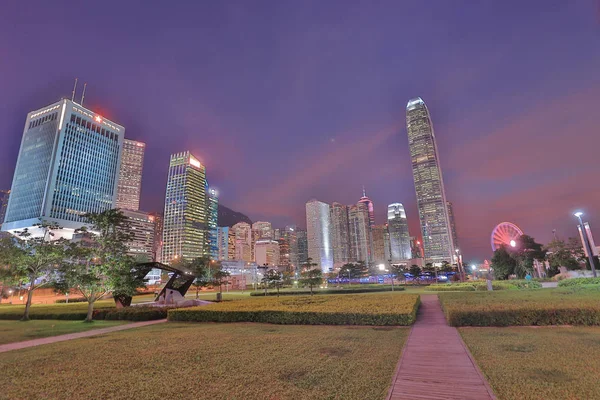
{"x":83,"y":94}
{"x":74,"y":87}
{"x":364,"y":192}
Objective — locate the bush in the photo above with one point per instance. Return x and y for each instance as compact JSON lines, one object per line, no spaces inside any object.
{"x":579,"y":282}
{"x":75,"y":300}
{"x":136,"y":313}
{"x":482,"y":286}
{"x":360,"y":309}
{"x":572,"y":306}
{"x":346,"y":290}
{"x":451,"y":287}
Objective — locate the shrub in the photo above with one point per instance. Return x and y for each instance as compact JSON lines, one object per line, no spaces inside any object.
{"x":482,"y":286}
{"x":75,"y":300}
{"x":136,"y":313}
{"x":579,"y":282}
{"x":345,"y":290}
{"x":572,"y":306}
{"x":452,"y":287}
{"x":360,"y":309}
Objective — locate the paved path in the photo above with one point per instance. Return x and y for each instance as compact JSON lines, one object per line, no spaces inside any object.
{"x":69,"y":336}
{"x":435,"y":363}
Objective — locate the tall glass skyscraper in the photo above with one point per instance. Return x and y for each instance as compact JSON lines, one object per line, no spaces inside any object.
{"x":68,"y":166}
{"x":213,"y":214}
{"x":318,"y":233}
{"x":130,"y":175}
{"x":399,"y":238}
{"x":361,"y":240}
{"x":4,"y":196}
{"x":340,"y":234}
{"x":185,"y":224}
{"x":429,"y":185}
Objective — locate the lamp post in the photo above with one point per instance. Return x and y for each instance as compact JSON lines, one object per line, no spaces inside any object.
{"x":586,"y":243}
{"x":11,"y":296}
{"x":460,"y":266}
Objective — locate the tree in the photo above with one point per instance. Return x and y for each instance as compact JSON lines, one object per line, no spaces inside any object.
{"x":446,"y":267}
{"x":354,"y":270}
{"x":398,"y":270}
{"x":415,"y":271}
{"x":311,"y":278}
{"x":99,"y":263}
{"x":273,"y":278}
{"x":503,"y":263}
{"x":34,"y":259}
{"x":526,"y":251}
{"x":220,"y":277}
{"x":198,"y":267}
{"x":560,"y":255}
{"x":308,"y":265}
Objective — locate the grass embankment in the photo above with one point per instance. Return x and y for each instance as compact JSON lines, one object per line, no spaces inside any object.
{"x":562,"y":306}
{"x":349,"y":309}
{"x":17,"y":331}
{"x":210,"y":361}
{"x":547,"y":363}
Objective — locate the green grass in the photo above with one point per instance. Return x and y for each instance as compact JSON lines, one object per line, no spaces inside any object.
{"x":548,"y":363}
{"x":17,"y":331}
{"x":210,"y":361}
{"x":557,"y":306}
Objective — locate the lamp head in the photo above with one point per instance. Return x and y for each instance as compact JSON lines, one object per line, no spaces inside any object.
{"x":578,"y":214}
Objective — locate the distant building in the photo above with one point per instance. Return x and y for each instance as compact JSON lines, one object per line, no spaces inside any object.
{"x":452,"y":224}
{"x":290,"y":235}
{"x":226,"y":243}
{"x":369,"y":204}
{"x":277,"y":234}
{"x":158,"y":236}
{"x":398,"y":231}
{"x":4,"y":195}
{"x":68,"y":166}
{"x":267,"y":252}
{"x":318,"y":230}
{"x":340,"y":234}
{"x":360,"y":233}
{"x":185,"y":231}
{"x":379,"y":241}
{"x":143,"y":226}
{"x":213,"y":214}
{"x":260,"y":230}
{"x":130,"y":175}
{"x":429,"y":184}
{"x":243,"y":241}
{"x":416,"y":248}
{"x":284,"y":254}
{"x":302,"y":245}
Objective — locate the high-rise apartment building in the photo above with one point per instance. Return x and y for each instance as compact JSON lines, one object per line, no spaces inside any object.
{"x":243,"y":241}
{"x":143,"y":226}
{"x":452,"y":224}
{"x":318,"y":231}
{"x":360,"y":233}
{"x":68,"y":166}
{"x":260,"y":230}
{"x":429,"y":185}
{"x":267,"y":252}
{"x":130,"y":175}
{"x":398,"y":231}
{"x":4,"y":196}
{"x":213,"y":213}
{"x":185,"y":229}
{"x":226,"y":243}
{"x":379,"y":253}
{"x":340,"y":234}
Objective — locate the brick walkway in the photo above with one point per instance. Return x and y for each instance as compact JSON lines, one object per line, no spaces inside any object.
{"x":70,"y":336}
{"x":435,"y":363}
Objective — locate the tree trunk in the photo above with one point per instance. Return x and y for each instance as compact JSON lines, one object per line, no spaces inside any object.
{"x":90,"y":311}
{"x":28,"y":304}
{"x":277,"y":290}
{"x":197,"y":292}
{"x":311,"y":292}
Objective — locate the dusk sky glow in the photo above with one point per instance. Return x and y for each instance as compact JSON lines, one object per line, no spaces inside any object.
{"x":285,"y":101}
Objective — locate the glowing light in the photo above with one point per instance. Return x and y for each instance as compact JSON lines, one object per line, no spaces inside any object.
{"x":578,"y":214}
{"x":98,"y":118}
{"x":513,"y":243}
{"x":381,"y":267}
{"x":195,"y":162}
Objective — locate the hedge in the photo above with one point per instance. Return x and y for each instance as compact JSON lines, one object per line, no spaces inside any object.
{"x":78,"y":311}
{"x":345,"y":290}
{"x":360,"y":309}
{"x":482,"y":286}
{"x":75,"y":300}
{"x":579,"y":282}
{"x":135,"y":313}
{"x":539,"y":307}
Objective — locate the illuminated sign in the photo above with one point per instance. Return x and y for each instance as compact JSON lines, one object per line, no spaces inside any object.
{"x":195,"y":162}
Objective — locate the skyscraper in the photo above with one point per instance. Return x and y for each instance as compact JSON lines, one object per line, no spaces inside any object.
{"x":429,"y":185}
{"x":130,"y":175}
{"x":243,"y":241}
{"x":4,"y":196}
{"x":68,"y":165}
{"x":398,"y":231}
{"x":185,"y":227}
{"x":213,"y":213}
{"x":290,"y":234}
{"x":158,"y":236}
{"x":318,"y":233}
{"x":340,"y":234}
{"x":302,"y":244}
{"x":226,"y":243}
{"x":360,"y":233}
{"x":267,"y":252}
{"x":379,"y":241}
{"x":452,"y":224}
{"x":369,"y":204}
{"x":143,"y":226}
{"x":260,"y":230}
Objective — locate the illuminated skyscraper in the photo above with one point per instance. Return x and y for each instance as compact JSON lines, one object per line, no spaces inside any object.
{"x":143,"y":226}
{"x":185,"y":227}
{"x":226,"y":243}
{"x":318,"y":233}
{"x":68,"y":166}
{"x":243,"y":241}
{"x":429,"y":185}
{"x":379,"y":242}
{"x":369,"y":204}
{"x":360,"y":233}
{"x":452,"y":224}
{"x":213,"y":213}
{"x":158,"y":236}
{"x":302,"y":245}
{"x":4,"y":195}
{"x":130,"y":175}
{"x":398,"y":231}
{"x":260,"y":230}
{"x":340,"y":234}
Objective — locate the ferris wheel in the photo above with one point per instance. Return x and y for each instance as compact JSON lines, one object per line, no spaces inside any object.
{"x":505,"y":233}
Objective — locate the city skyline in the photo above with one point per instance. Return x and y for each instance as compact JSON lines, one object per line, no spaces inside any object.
{"x":311,"y":127}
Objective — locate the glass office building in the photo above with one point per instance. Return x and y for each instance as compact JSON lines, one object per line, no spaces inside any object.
{"x":130,"y":175}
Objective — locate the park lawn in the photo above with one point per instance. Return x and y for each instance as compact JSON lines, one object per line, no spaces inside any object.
{"x":17,"y":331}
{"x":46,"y":311}
{"x":210,"y":361}
{"x":545,"y":363}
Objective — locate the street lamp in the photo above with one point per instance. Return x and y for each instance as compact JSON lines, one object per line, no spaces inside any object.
{"x":513,"y":243}
{"x":460,"y":266}
{"x":11,"y":296}
{"x":586,"y":243}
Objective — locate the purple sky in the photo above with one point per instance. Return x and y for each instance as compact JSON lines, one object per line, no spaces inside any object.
{"x":289,"y":100}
